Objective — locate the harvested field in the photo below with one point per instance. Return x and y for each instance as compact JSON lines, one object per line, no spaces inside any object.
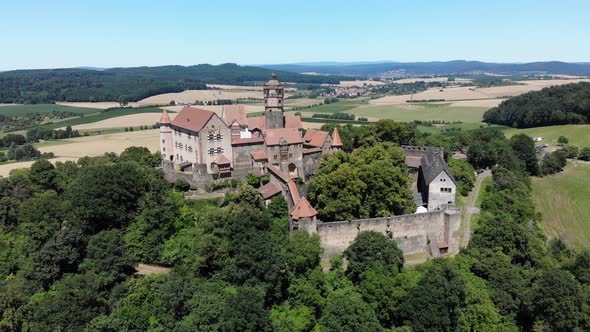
{"x":234,"y":87}
{"x":7,"y":168}
{"x":217,"y":108}
{"x":133,"y":120}
{"x":18,"y":109}
{"x":489,"y":103}
{"x":422,"y":79}
{"x":189,"y":96}
{"x":99,"y":105}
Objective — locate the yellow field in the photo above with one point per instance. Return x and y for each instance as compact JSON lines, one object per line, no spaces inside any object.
{"x":347,"y":84}
{"x":101,"y":105}
{"x":133,"y":120}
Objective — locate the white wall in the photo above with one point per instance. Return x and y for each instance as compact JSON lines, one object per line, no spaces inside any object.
{"x":436,"y":197}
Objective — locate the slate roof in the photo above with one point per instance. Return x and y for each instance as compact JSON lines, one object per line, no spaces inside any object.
{"x":303,"y":210}
{"x":433,"y":164}
{"x":191,"y":118}
{"x":315,"y":138}
{"x":269,"y":190}
{"x":276,"y":136}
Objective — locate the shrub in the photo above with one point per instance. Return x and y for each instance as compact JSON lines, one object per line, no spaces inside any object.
{"x":182,"y":185}
{"x":571,"y":151}
{"x":585,"y":154}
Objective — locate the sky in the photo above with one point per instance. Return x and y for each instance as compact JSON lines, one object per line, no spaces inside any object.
{"x":129,"y":33}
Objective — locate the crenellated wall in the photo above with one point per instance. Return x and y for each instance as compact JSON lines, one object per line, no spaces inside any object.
{"x":413,"y":232}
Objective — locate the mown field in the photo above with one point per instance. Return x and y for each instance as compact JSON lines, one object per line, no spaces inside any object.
{"x":577,"y":134}
{"x":564,"y":200}
{"x":102,"y":116}
{"x":16,"y":110}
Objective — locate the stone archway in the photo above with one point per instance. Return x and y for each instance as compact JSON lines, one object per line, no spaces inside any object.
{"x":293,"y":170}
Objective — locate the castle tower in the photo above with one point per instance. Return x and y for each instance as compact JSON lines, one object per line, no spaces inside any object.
{"x":166,"y":148}
{"x":273,"y":103}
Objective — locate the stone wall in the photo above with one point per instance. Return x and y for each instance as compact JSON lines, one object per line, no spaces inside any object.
{"x":413,"y":232}
{"x":311,"y":163}
{"x":242,"y":162}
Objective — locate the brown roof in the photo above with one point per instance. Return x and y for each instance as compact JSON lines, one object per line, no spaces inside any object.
{"x":269,"y":190}
{"x":256,"y":122}
{"x":315,"y":138}
{"x":259,"y":155}
{"x":293,"y":121}
{"x":442,"y":245}
{"x":293,"y":191}
{"x":336,"y":141}
{"x":236,"y":140}
{"x":412,"y":161}
{"x":192,"y":118}
{"x":273,"y":169}
{"x":165,"y":119}
{"x":222,"y":160}
{"x":303,"y":210}
{"x":311,"y":150}
{"x":233,"y":113}
{"x":276,"y":136}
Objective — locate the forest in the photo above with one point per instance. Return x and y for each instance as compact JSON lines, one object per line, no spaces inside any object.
{"x":556,"y":105}
{"x":72,"y":234}
{"x":86,"y":85}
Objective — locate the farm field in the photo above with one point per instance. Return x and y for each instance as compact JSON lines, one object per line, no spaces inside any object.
{"x":141,"y":119}
{"x":436,"y":129}
{"x":97,"y":105}
{"x":75,"y":148}
{"x":189,"y":96}
{"x":347,"y":84}
{"x":564,"y":200}
{"x":102,"y":116}
{"x":577,"y":134}
{"x":17,"y":109}
{"x":428,"y":113}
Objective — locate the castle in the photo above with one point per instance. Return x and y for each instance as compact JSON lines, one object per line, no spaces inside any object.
{"x":202,"y":146}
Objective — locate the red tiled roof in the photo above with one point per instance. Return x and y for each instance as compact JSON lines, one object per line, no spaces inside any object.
{"x":222,"y":160}
{"x":259,"y":155}
{"x":165,"y":119}
{"x":236,"y":140}
{"x":311,"y":150}
{"x":315,"y":138}
{"x":276,"y":136}
{"x":336,"y":141}
{"x":233,"y":113}
{"x":269,"y":190}
{"x":293,"y":121}
{"x":412,"y":161}
{"x":442,"y":245}
{"x":256,"y":122}
{"x":303,"y":210}
{"x":273,"y":169}
{"x":293,"y":191}
{"x":191,"y":118}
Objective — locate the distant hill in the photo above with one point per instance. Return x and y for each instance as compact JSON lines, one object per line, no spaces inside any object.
{"x":77,"y":84}
{"x":437,"y":68}
{"x":556,"y":105}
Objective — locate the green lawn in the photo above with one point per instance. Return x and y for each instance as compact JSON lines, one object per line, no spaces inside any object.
{"x":442,"y":113}
{"x":564,"y":200}
{"x":578,"y":134}
{"x":463,"y":126}
{"x":14,"y":110}
{"x":342,"y":106}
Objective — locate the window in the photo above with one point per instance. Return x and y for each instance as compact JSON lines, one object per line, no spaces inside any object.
{"x":163,"y":149}
{"x":446,"y":190}
{"x":213,"y":151}
{"x":163,"y":141}
{"x":190,"y":149}
{"x":275,"y":157}
{"x":284,"y":151}
{"x":290,"y":155}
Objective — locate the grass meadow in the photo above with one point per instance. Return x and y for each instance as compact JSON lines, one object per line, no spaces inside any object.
{"x":577,"y":134}
{"x":564,"y":200}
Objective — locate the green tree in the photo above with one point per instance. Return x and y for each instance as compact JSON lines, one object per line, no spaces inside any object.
{"x":558,"y":300}
{"x":288,"y":318}
{"x":303,"y":252}
{"x":585,"y":154}
{"x":182,"y":185}
{"x":524,"y":148}
{"x":43,"y":174}
{"x":372,"y":250}
{"x":464,"y":174}
{"x":562,"y":140}
{"x":571,"y":151}
{"x":123,"y":100}
{"x":245,"y":311}
{"x":346,"y":311}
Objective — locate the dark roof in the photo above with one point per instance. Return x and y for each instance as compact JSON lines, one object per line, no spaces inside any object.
{"x":433,"y":164}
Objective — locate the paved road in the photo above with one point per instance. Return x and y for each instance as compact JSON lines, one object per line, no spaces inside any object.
{"x":471,"y":208}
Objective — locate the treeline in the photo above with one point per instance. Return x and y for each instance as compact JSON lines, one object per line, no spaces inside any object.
{"x":557,"y":105}
{"x":337,"y":116}
{"x":83,"y":85}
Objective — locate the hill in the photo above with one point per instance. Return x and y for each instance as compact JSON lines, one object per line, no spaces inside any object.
{"x":404,"y":69}
{"x":565,"y":104}
{"x":82,"y":85}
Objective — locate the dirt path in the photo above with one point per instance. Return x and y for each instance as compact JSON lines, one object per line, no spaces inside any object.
{"x":471,"y":208}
